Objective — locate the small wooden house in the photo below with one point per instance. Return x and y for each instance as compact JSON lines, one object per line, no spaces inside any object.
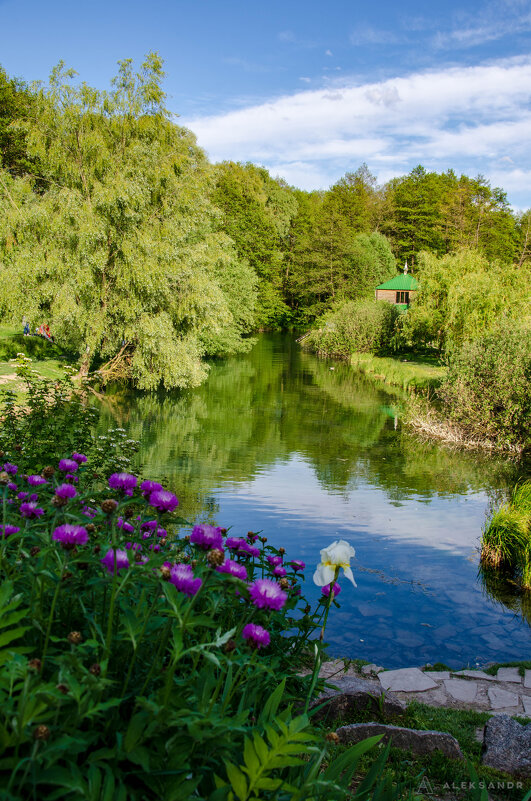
{"x":400,"y":290}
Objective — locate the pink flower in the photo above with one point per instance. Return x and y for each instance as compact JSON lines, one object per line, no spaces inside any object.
{"x":266,"y":593}
{"x":233,"y":569}
{"x":182,"y":577}
{"x":336,"y":589}
{"x":115,"y":560}
{"x":70,"y":536}
{"x":163,"y":500}
{"x":256,"y":635}
{"x":36,"y":481}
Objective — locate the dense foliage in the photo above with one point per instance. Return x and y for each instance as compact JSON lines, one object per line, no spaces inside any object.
{"x":365,"y":326}
{"x":486,"y":390}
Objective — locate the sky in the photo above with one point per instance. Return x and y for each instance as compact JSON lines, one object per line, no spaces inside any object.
{"x":312,"y":89}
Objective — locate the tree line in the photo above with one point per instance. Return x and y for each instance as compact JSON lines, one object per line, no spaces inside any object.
{"x":146,"y":259}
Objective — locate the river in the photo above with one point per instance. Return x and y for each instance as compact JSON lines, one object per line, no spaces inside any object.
{"x":307,"y":451}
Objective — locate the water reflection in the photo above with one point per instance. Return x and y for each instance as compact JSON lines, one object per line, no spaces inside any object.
{"x":276,"y":440}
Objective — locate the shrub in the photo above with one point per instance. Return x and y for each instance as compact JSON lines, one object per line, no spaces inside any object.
{"x":487,"y":389}
{"x":366,"y":326}
{"x":138,"y":665}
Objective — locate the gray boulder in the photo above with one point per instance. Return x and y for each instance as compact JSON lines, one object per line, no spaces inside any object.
{"x":352,"y":694}
{"x":507,"y":746}
{"x":416,"y":740}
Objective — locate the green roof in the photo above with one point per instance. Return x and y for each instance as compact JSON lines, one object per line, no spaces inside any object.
{"x":404,"y":282}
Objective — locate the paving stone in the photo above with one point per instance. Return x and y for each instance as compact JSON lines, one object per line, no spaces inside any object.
{"x":509,"y":674}
{"x":408,"y":680}
{"x":372,"y":668}
{"x":507,"y":746}
{"x":421,"y":742}
{"x":500,"y":699}
{"x":474,"y":674}
{"x":461,"y":689}
{"x":438,"y":675}
{"x":526,"y":700}
{"x":527,"y":679}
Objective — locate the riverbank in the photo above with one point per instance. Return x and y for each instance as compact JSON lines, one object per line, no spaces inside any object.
{"x":411,"y":373}
{"x":45,"y":358}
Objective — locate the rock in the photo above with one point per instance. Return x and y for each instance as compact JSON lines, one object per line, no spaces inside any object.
{"x":408,"y":680}
{"x":474,"y":674}
{"x":438,"y":675}
{"x":509,"y":674}
{"x":421,"y":742}
{"x":500,"y":699}
{"x":527,"y":679}
{"x":461,"y":689}
{"x":372,"y":668}
{"x":526,"y":700}
{"x":353,"y":694}
{"x":507,"y":746}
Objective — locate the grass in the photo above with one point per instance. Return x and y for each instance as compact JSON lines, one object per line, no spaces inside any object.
{"x":46,"y":357}
{"x":408,"y":371}
{"x":506,"y":540}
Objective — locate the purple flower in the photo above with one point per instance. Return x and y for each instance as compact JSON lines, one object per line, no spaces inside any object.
{"x":133,"y":546}
{"x":155,"y":547}
{"x":296,"y":564}
{"x":36,"y":481}
{"x":152,"y":526}
{"x":125,"y":526}
{"x":252,"y":537}
{"x":266,"y":593}
{"x":336,"y":589}
{"x":68,"y":465}
{"x":164,"y":501}
{"x":114,"y":558}
{"x":88,"y":511}
{"x":6,"y":531}
{"x":279,"y":572}
{"x":69,"y":535}
{"x":182,"y":577}
{"x":80,"y":458}
{"x":148,"y":487}
{"x":65,"y":491}
{"x":241,"y":546}
{"x":30,"y":510}
{"x":22,"y":495}
{"x":12,"y":487}
{"x":10,"y":468}
{"x":233,"y":569}
{"x":123,"y":481}
{"x":257,"y":635}
{"x":274,"y":561}
{"x":207,"y":537}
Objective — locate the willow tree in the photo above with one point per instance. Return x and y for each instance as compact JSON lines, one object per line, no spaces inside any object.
{"x":122,"y":254}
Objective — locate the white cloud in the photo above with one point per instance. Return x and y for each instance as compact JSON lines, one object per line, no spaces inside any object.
{"x":467,"y":118}
{"x":305,"y":80}
{"x":497,"y":19}
{"x":328,"y":53}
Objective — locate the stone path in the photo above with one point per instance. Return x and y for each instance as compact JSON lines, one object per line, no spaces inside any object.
{"x":506,"y":693}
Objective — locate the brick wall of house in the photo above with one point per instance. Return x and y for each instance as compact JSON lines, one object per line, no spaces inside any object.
{"x":390,"y":295}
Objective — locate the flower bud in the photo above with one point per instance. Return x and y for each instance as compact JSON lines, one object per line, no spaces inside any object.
{"x":48,"y":472}
{"x":165,"y":572}
{"x":17,"y":447}
{"x":215,"y":557}
{"x":41,"y":733}
{"x":332,"y":737}
{"x":194,"y":563}
{"x":67,"y":574}
{"x":263,"y":539}
{"x":282,"y":551}
{"x":163,"y":541}
{"x":91,"y":528}
{"x":35,"y":664}
{"x":109,"y":506}
{"x":307,"y":609}
{"x":35,"y":550}
{"x":96,"y":549}
{"x":75,"y":637}
{"x":284,"y":583}
{"x":4,"y":477}
{"x":129,"y":512}
{"x":95,"y":669}
{"x":62,"y":688}
{"x":223,"y":531}
{"x":229,"y":646}
{"x":57,"y":501}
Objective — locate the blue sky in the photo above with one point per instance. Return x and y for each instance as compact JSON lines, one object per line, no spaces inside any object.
{"x":313,"y":89}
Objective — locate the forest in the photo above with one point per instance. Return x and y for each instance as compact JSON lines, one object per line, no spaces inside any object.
{"x":146,"y":259}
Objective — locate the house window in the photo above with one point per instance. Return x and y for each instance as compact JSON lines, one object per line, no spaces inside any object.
{"x":402,"y":297}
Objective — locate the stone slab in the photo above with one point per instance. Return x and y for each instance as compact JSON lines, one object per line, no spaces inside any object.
{"x":421,"y":742}
{"x":501,"y":699}
{"x":526,"y":701}
{"x":438,"y":675}
{"x":527,"y":679}
{"x":474,"y":674}
{"x":509,"y":674}
{"x":372,"y":668}
{"x":461,"y":689}
{"x":407,"y":680}
{"x":507,"y":746}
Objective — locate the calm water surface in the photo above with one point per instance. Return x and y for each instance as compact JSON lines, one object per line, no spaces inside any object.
{"x":307,"y":451}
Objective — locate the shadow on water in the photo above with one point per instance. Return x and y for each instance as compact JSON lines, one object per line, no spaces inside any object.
{"x":309,"y":451}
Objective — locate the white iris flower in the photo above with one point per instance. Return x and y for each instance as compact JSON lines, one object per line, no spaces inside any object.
{"x":337,"y":555}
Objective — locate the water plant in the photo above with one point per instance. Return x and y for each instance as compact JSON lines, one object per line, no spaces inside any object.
{"x":506,"y":540}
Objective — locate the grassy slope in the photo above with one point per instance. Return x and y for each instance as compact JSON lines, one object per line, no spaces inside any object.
{"x":43,"y":355}
{"x":407,"y":371}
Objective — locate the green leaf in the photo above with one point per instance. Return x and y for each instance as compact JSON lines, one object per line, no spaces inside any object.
{"x":237,"y":780}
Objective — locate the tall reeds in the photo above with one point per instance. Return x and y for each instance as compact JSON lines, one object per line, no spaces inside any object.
{"x":506,"y":541}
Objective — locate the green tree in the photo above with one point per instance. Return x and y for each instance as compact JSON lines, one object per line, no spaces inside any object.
{"x":16,"y":102}
{"x":122,"y":254}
